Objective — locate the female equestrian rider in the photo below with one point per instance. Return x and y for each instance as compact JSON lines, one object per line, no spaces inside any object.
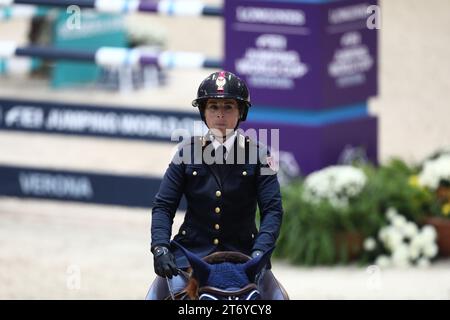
{"x":222,"y":181}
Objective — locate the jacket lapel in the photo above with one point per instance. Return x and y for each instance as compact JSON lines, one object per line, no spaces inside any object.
{"x":234,"y":154}
{"x":237,"y":151}
{"x":211,"y":168}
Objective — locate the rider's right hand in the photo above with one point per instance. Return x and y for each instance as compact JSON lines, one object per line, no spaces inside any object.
{"x":164,"y":262}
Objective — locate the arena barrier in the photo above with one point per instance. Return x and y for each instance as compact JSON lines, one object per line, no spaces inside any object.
{"x":101,"y":121}
{"x":164,"y":7}
{"x":112,"y":57}
{"x":21,"y":12}
{"x":79,"y":186}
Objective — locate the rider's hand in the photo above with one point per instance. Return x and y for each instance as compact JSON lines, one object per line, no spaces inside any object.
{"x":164,"y":262}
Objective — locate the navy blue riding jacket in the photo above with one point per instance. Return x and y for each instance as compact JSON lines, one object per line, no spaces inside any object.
{"x":221,"y":200}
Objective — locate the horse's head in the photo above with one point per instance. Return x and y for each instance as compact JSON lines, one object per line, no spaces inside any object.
{"x":224,"y":275}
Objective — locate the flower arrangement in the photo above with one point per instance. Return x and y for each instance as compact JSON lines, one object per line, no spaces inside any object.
{"x":326,"y":217}
{"x":330,"y":213}
{"x":435,"y":176}
{"x":435,"y":172}
{"x":335,"y":184}
{"x":401,"y":243}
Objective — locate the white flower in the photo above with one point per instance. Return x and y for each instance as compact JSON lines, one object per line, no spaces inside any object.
{"x":434,"y":171}
{"x":394,"y":238}
{"x":430,"y":250}
{"x":410,"y":230}
{"x":421,"y":245}
{"x":369,"y":244}
{"x":399,"y":222}
{"x":391,"y":213}
{"x":400,"y":256}
{"x":414,"y":252}
{"x":418,"y":242}
{"x":382,"y":233}
{"x":401,"y":252}
{"x":429,"y":232}
{"x":423,"y":263}
{"x":383,"y":261}
{"x":336,"y":184}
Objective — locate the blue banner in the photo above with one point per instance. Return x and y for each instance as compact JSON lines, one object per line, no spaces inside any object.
{"x":91,"y":120}
{"x":89,"y":187}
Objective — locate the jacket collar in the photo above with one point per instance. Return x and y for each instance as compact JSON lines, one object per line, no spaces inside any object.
{"x":229,"y":143}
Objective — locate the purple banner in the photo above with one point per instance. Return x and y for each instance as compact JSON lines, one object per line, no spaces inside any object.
{"x":315,"y":147}
{"x":302,"y":55}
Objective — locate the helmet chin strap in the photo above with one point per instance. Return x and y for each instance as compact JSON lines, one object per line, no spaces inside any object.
{"x":237,"y":124}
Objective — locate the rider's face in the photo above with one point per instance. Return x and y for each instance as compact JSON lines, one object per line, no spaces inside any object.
{"x":222,"y":114}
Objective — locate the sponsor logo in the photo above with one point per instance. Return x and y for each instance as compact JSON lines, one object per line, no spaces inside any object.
{"x":270,"y":16}
{"x":55,"y":185}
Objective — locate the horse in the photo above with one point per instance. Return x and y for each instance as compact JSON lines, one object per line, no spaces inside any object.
{"x":224,"y":275}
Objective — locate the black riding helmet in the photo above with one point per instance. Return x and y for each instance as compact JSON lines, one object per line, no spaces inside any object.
{"x":223,"y":85}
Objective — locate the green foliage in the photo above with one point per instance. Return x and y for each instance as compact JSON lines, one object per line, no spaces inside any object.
{"x":310,"y":232}
{"x":394,"y":185}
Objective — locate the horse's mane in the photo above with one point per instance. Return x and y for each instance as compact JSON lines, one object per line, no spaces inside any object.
{"x":192,"y":288}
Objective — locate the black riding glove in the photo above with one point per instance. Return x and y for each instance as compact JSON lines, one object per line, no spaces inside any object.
{"x":164,"y":262}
